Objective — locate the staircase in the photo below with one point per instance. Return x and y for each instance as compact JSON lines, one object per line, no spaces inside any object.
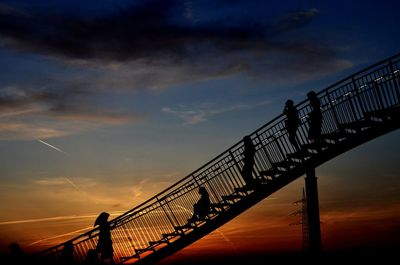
{"x":355,"y":110}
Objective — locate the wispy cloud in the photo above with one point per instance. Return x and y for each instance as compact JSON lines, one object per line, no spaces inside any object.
{"x":43,"y":112}
{"x":95,"y":193}
{"x":203,"y":112}
{"x":143,"y":47}
{"x":58,"y":218}
{"x":142,"y":31}
{"x":148,"y":34}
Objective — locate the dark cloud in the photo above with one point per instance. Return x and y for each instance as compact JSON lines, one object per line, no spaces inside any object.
{"x":72,"y":104}
{"x":14,"y":96}
{"x":151,"y":45}
{"x":160,"y":34}
{"x":147,"y":31}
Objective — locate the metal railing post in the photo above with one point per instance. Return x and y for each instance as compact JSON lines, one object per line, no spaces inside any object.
{"x":332,"y":107}
{"x":396,"y":86}
{"x":357,"y":95}
{"x":264,"y":149}
{"x":279,"y":147}
{"x":169,"y":218}
{"x":234,"y":161}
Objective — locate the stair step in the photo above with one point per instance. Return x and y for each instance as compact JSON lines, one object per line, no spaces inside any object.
{"x":187,"y":226}
{"x":222,"y":205}
{"x":244,"y":189}
{"x":272,"y":172}
{"x":142,"y":250}
{"x":383,"y":113}
{"x":232,"y":197}
{"x":214,"y":210}
{"x":136,"y":256}
{"x":283,"y":164}
{"x":335,"y":136}
{"x":173,"y":234}
{"x":316,"y":147}
{"x":356,"y":125}
{"x":301,"y":154}
{"x":161,"y":241}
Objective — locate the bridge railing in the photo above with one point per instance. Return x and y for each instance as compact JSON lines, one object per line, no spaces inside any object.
{"x":347,"y":101}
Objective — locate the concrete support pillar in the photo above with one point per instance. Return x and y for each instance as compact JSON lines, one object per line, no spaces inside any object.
{"x":314,"y":236}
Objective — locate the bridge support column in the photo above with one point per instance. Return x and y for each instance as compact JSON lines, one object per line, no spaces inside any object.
{"x":314,"y":229}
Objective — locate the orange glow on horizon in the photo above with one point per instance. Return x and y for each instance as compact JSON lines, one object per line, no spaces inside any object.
{"x":248,"y":233}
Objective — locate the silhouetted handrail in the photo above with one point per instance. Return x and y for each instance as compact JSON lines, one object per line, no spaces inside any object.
{"x":376,"y":87}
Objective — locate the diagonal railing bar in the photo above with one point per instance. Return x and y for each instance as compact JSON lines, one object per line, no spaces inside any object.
{"x":162,"y":220}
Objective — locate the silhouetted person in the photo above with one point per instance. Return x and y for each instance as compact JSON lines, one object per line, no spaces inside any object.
{"x":91,"y":257}
{"x":17,"y":255}
{"x":248,"y":160}
{"x":292,"y":122}
{"x":104,"y":245}
{"x":202,"y":207}
{"x":314,"y":131}
{"x":67,"y":257}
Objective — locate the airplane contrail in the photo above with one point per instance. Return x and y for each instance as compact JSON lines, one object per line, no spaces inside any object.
{"x":57,"y":218}
{"x":62,"y":235}
{"x":52,"y":146}
{"x":73,"y":185}
{"x":81,"y":191}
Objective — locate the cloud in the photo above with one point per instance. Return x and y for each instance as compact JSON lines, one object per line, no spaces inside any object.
{"x":51,"y":181}
{"x":28,"y":113}
{"x":151,"y":33}
{"x":14,"y":130}
{"x":143,"y":46}
{"x":32,"y":127}
{"x":202,"y":112}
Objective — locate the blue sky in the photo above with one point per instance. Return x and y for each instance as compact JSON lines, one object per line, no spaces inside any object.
{"x":140,"y":94}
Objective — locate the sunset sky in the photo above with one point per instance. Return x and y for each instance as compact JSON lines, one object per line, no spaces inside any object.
{"x":103,"y":104}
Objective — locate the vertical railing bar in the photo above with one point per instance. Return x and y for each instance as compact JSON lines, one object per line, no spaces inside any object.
{"x":158,"y":225}
{"x":115,"y":240}
{"x":283,"y":156}
{"x":215,"y":182}
{"x":173,"y":215}
{"x":132,"y":235}
{"x":394,"y":81}
{"x":153,"y":224}
{"x":80,"y":251}
{"x":232,"y":175}
{"x":264,"y":149}
{"x":153,"y":227}
{"x":149,"y":231}
{"x":130,"y":232}
{"x":229,"y":180}
{"x":262,"y":157}
{"x":124,"y":242}
{"x":118,"y":246}
{"x":237,"y":177}
{"x":215,"y":178}
{"x":146,"y":229}
{"x":164,"y":222}
{"x":142,"y":232}
{"x":357,"y":95}
{"x":378,"y":92}
{"x":235,"y":162}
{"x":138,"y":234}
{"x":332,"y":107}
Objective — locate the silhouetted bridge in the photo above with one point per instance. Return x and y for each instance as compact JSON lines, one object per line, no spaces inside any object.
{"x":355,"y":110}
